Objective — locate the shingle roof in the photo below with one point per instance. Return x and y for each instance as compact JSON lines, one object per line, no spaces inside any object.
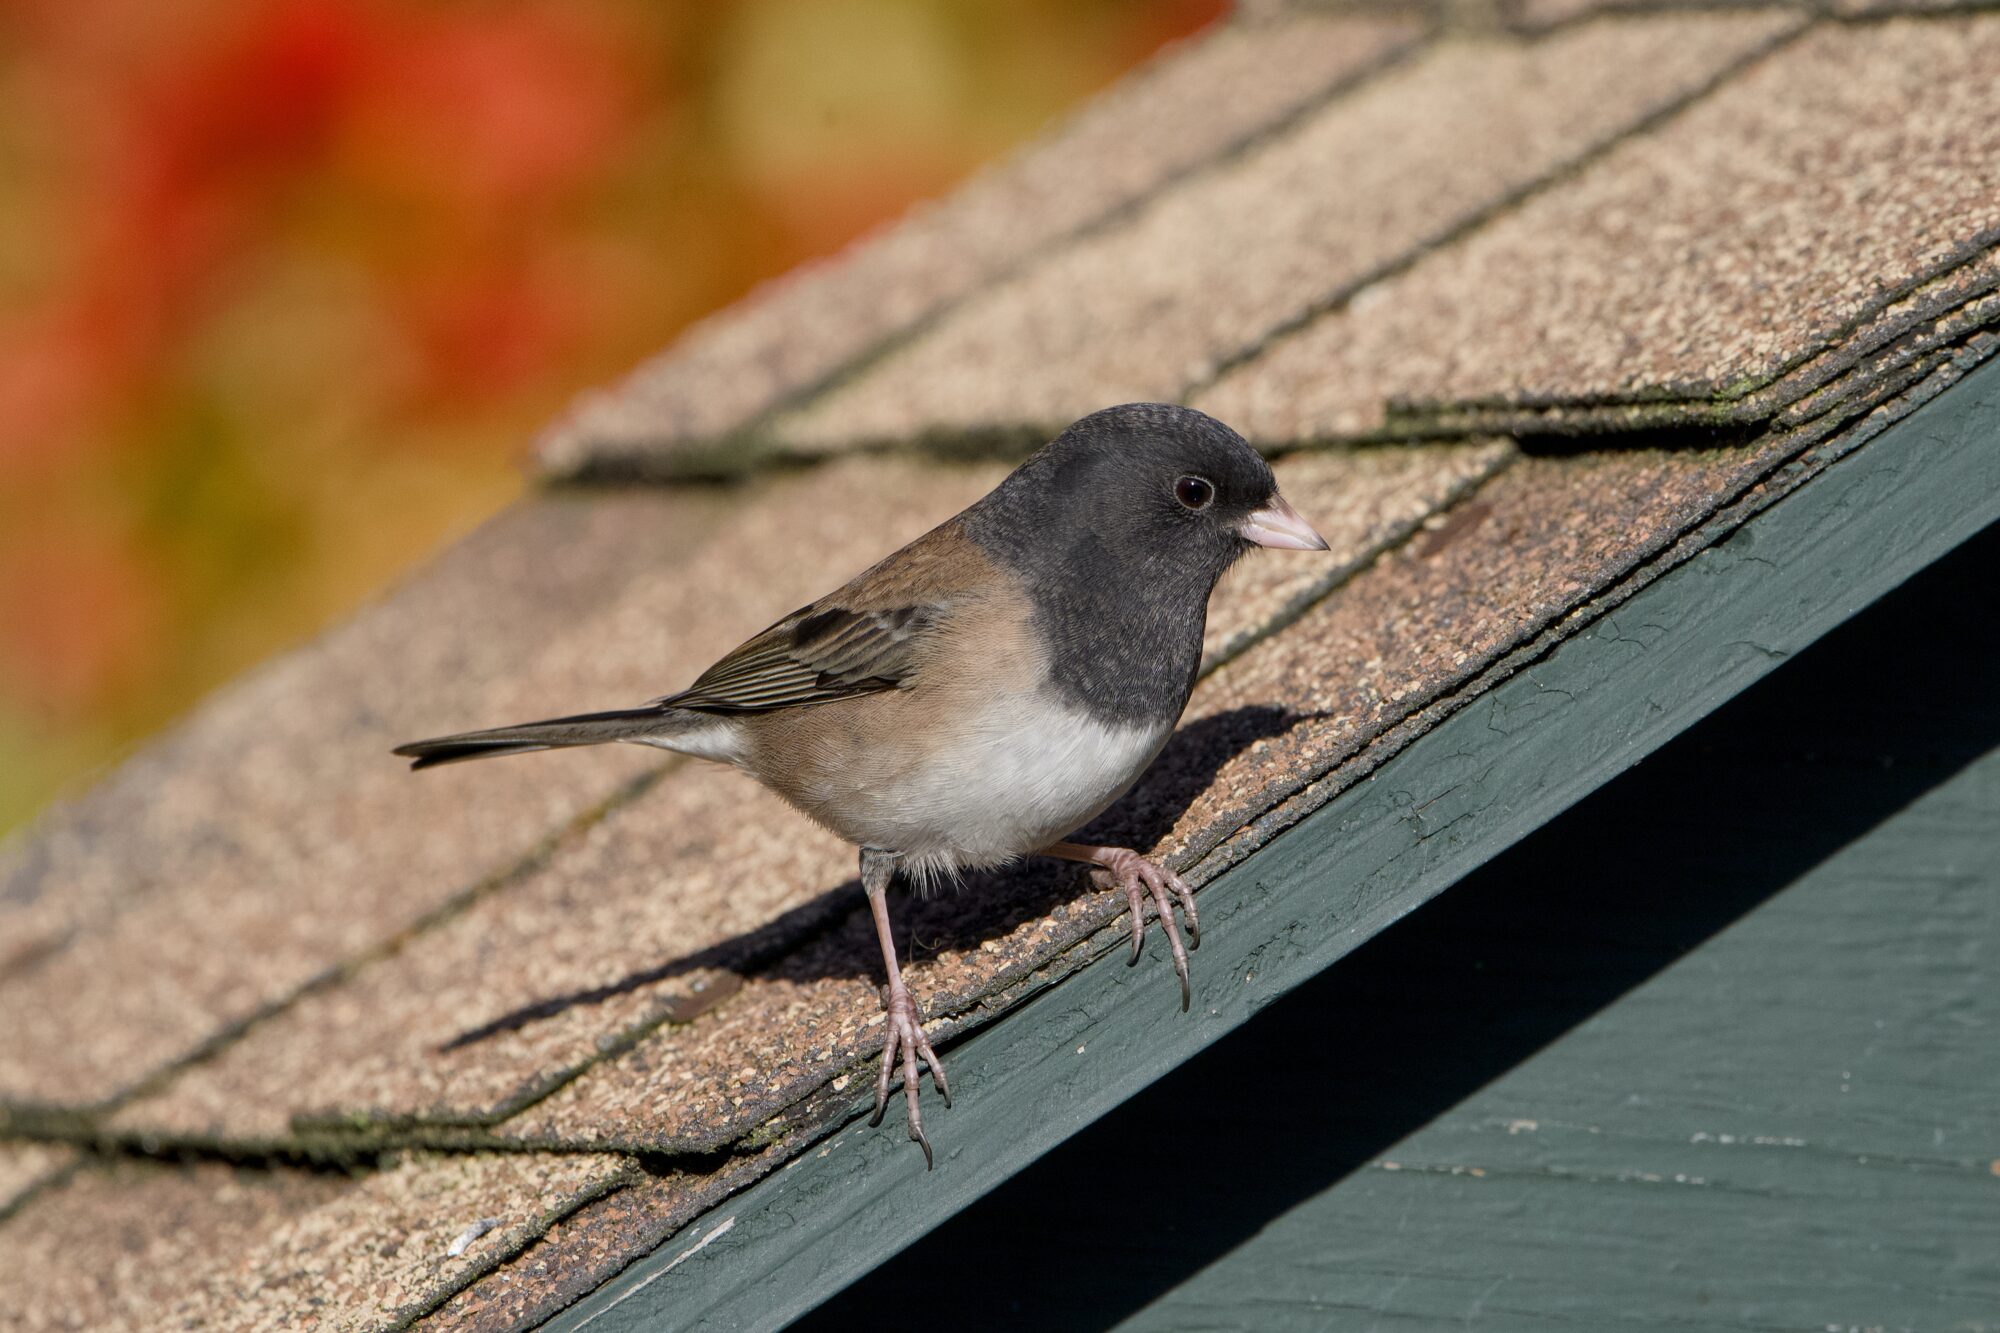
{"x":1671,"y":283}
{"x":142,"y":1246}
{"x":1682,"y":258}
{"x":1195,"y":103}
{"x":27,"y":1167}
{"x":1202,"y":276}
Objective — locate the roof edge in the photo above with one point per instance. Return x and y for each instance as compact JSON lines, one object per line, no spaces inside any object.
{"x":1733,"y":612}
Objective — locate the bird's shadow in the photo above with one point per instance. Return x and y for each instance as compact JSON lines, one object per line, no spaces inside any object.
{"x":987,"y":906}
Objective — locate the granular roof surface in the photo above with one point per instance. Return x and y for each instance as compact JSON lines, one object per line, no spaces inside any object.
{"x":1525,"y":307}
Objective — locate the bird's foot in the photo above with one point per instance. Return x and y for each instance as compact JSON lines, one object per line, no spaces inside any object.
{"x":906,"y":1038}
{"x":1141,"y":878}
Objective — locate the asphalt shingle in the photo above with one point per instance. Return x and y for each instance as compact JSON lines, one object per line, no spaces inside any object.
{"x":1713,"y":269}
{"x":639,"y":922}
{"x":1362,"y":501}
{"x":1195,"y":103}
{"x":583,"y":1250}
{"x":126,"y":1246}
{"x":273,"y":837}
{"x":143,"y":1247}
{"x":294,"y":749}
{"x":1202,"y":275}
{"x":29,"y":1166}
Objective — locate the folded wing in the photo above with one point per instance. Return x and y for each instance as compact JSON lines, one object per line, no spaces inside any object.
{"x":815,"y":655}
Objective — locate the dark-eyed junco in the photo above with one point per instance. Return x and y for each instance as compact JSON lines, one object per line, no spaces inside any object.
{"x":989,"y":688}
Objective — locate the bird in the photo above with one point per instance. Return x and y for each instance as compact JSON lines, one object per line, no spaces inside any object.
{"x":987,"y":690}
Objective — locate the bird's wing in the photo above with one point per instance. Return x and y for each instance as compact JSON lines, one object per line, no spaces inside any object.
{"x":815,"y":655}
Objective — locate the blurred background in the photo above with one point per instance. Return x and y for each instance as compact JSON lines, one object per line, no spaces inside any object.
{"x":286,"y":286}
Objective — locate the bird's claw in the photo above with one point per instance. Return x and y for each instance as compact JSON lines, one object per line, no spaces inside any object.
{"x":906,"y":1036}
{"x":1141,"y":879}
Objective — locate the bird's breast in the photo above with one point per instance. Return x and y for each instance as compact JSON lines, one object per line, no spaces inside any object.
{"x":1016,"y":776}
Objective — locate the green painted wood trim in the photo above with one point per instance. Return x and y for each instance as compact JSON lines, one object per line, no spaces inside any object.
{"x":1712,"y":1049}
{"x":1483,"y":778}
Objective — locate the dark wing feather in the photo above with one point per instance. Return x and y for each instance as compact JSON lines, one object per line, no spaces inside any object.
{"x":813,"y":656}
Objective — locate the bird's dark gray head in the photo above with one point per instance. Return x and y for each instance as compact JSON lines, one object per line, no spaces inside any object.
{"x":1121,"y":527}
{"x":1151,"y":485}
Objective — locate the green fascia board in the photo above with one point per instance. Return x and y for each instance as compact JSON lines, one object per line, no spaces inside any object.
{"x":1484,"y":777}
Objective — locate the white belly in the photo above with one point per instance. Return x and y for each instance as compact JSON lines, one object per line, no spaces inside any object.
{"x":1031,"y":772}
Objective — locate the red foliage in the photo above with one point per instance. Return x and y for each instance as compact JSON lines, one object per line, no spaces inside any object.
{"x":480,"y":120}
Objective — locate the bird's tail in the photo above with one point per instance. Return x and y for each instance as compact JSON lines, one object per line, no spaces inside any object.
{"x":627,"y":724}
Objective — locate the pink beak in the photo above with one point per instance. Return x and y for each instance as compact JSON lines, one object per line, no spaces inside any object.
{"x":1279,"y":525}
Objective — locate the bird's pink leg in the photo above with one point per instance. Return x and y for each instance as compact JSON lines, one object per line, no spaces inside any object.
{"x":905,"y":1025}
{"x":1140,"y":878}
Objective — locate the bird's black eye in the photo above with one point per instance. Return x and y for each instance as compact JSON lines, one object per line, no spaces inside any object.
{"x":1194,"y":492}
